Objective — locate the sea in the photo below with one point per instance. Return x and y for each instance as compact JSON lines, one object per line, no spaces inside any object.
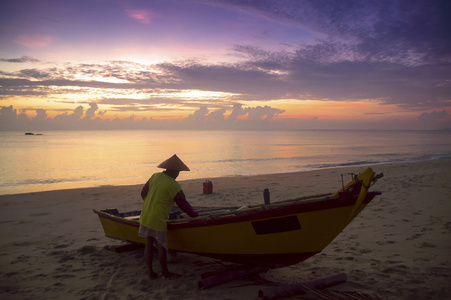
{"x":54,"y":160}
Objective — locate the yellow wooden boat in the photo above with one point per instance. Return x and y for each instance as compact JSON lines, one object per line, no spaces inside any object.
{"x":271,"y":235}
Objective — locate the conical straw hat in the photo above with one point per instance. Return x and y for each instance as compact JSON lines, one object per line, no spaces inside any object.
{"x":173,"y":163}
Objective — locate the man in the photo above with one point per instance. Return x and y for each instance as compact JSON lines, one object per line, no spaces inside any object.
{"x":159,"y":194}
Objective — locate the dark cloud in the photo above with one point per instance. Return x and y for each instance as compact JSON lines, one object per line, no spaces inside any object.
{"x":23,"y":59}
{"x":250,"y":83}
{"x":34,"y":74}
{"x":395,"y":51}
{"x":435,"y":119}
{"x":314,"y":72}
{"x":433,"y":116}
{"x":409,"y":31}
{"x":327,"y":71}
{"x":19,"y":83}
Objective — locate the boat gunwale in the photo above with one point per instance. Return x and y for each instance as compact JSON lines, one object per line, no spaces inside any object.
{"x":234,"y":210}
{"x":254,"y":212}
{"x":266,"y":212}
{"x":103,"y":214}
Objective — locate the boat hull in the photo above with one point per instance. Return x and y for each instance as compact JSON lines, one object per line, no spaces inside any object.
{"x":117,"y":227}
{"x":274,"y":235}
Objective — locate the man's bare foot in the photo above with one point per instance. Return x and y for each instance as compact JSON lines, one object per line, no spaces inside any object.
{"x":153,"y":275}
{"x":170,"y":275}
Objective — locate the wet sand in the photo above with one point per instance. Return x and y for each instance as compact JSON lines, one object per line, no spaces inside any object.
{"x":52,"y":245}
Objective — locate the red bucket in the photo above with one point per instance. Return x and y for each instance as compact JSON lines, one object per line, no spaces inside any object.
{"x":208,"y":187}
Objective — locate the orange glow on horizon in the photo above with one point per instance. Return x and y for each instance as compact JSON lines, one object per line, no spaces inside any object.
{"x":337,"y":110}
{"x":293,"y":109}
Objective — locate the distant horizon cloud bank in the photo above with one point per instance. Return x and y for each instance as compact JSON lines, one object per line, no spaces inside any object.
{"x":264,"y":118}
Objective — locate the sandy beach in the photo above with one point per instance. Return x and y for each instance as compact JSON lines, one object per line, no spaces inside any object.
{"x":52,"y":245}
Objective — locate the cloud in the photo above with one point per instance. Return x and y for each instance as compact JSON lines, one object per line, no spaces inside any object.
{"x":217,"y":115}
{"x":244,"y":80}
{"x":8,"y":118}
{"x":402,"y":31}
{"x":22,"y":59}
{"x":237,"y":111}
{"x":34,"y":74}
{"x":435,"y":120}
{"x":310,"y":72}
{"x":433,"y":116}
{"x":142,"y":15}
{"x":265,"y":113}
{"x":202,"y":118}
{"x":41,"y":115}
{"x":199,"y":114}
{"x":251,"y":118}
{"x":78,"y":112}
{"x":33,"y":41}
{"x":258,"y":117}
{"x":90,"y":112}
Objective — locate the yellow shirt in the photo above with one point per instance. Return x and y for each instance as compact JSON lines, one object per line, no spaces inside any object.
{"x":159,"y":201}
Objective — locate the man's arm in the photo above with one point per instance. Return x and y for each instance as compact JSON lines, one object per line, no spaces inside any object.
{"x":180,"y":199}
{"x":145,"y":190}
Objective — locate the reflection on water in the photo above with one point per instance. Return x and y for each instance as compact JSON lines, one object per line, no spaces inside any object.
{"x":70,"y":159}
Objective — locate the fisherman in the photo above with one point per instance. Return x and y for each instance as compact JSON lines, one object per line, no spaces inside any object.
{"x":159,"y":195}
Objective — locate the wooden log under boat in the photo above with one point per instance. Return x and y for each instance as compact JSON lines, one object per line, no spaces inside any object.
{"x":294,"y":289}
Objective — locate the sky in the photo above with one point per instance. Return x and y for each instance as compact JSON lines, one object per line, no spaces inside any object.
{"x":225,"y":64}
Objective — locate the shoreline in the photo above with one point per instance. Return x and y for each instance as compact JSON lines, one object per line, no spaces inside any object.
{"x":357,"y":167}
{"x":52,"y":245}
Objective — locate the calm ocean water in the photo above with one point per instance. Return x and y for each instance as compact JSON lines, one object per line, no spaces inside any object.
{"x":73,"y":159}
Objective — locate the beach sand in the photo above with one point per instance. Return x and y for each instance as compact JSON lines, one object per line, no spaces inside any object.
{"x":52,"y":245}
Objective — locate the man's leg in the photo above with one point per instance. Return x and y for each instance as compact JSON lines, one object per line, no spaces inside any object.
{"x":148,"y":256}
{"x":164,"y":263}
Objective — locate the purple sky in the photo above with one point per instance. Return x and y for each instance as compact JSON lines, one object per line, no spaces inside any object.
{"x":225,"y":64}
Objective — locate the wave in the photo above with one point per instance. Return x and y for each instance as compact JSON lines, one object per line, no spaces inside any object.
{"x":375,"y":162}
{"x":46,"y":181}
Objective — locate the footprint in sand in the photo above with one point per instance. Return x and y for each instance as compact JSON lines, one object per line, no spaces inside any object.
{"x":413,"y":237}
{"x":427,"y":245}
{"x":86,"y":250}
{"x":19,"y":259}
{"x":60,"y":246}
{"x":386,"y":242}
{"x":365,"y":251}
{"x":448,"y":225}
{"x":66,"y":258}
{"x":39,"y":214}
{"x":63,"y":276}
